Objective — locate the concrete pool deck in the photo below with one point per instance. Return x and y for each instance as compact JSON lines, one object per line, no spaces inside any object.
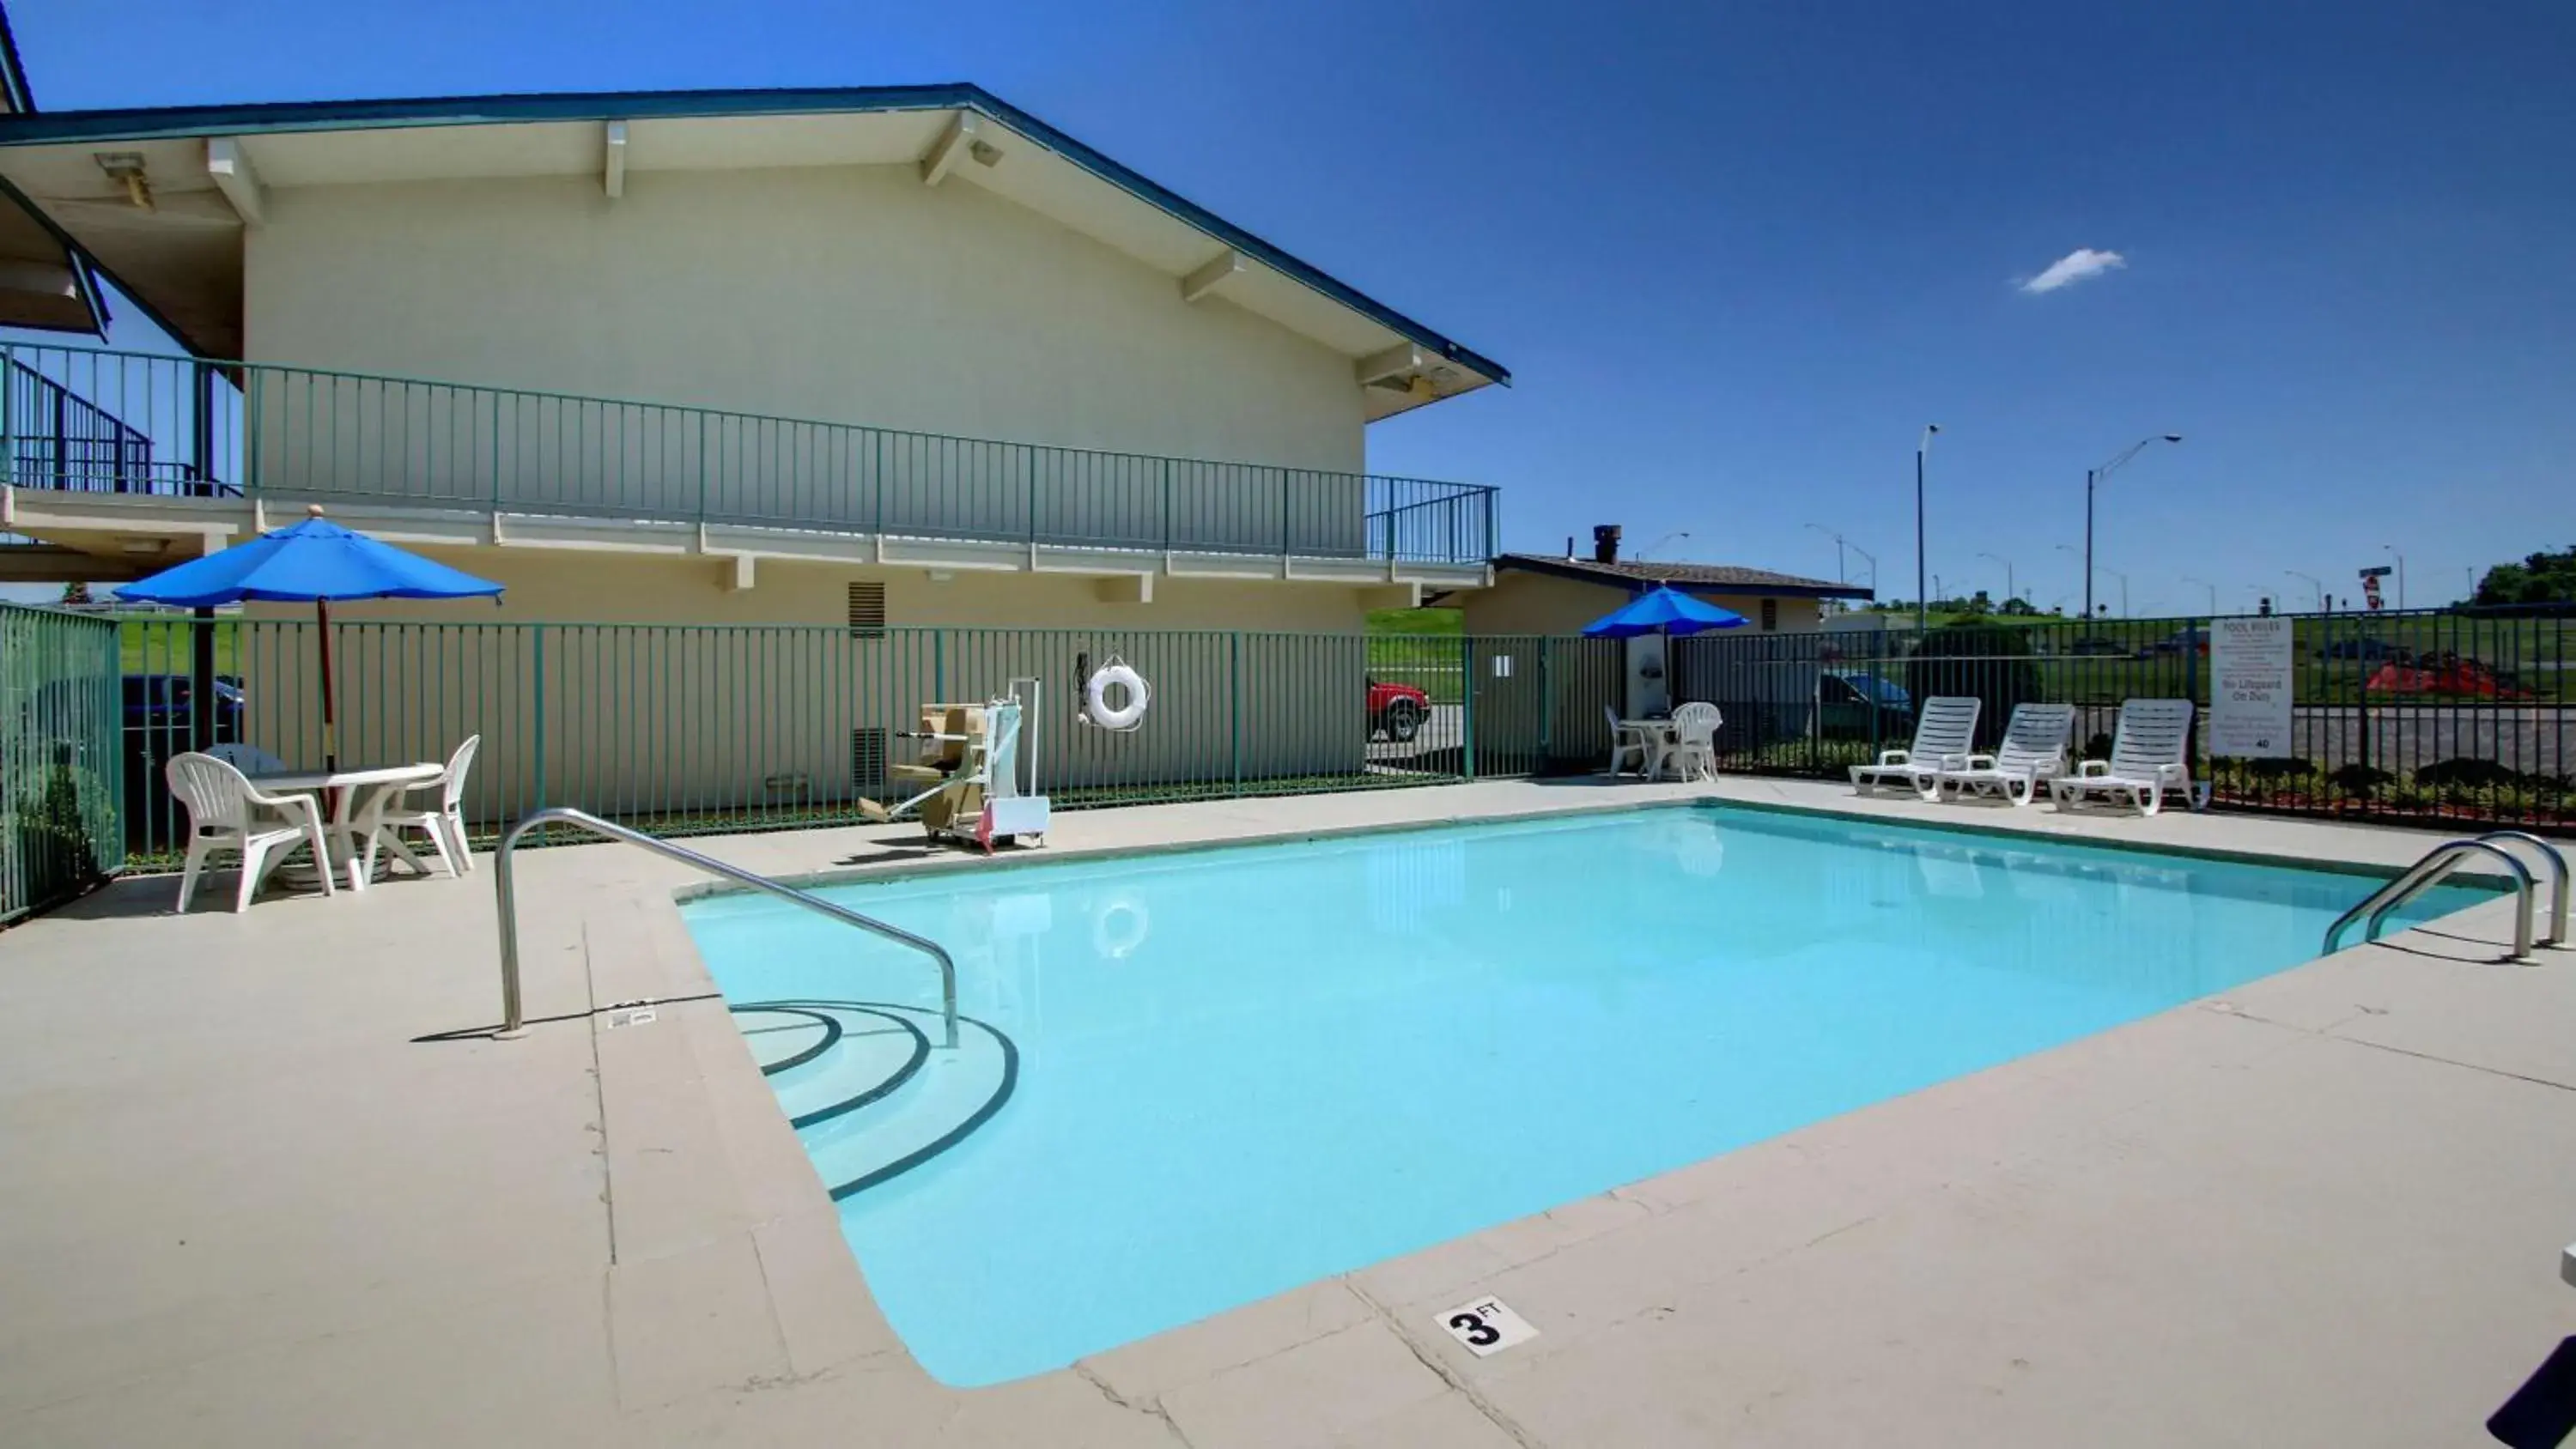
{"x":245,"y":1205}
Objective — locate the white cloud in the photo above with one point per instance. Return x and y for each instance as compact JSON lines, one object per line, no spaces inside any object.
{"x":2074,"y":267}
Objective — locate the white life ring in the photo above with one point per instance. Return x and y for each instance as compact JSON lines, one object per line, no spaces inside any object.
{"x":1095,"y":696}
{"x":1120,"y":928}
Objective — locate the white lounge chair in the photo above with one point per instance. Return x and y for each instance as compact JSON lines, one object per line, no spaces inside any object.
{"x":2033,"y":753}
{"x":1693,"y":751}
{"x":227,"y":812}
{"x":1626,"y":741}
{"x":1943,"y":735}
{"x":443,"y":823}
{"x":2147,"y":760}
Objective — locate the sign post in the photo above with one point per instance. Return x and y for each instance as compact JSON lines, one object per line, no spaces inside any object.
{"x":2370,"y":578}
{"x":2250,"y":682}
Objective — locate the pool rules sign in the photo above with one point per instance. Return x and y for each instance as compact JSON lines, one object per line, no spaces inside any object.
{"x":2250,"y":669}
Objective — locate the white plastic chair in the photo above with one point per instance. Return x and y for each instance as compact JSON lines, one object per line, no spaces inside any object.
{"x":1625,"y":741}
{"x":1943,"y":735}
{"x":1693,"y":752}
{"x":445,"y":824}
{"x":227,"y":812}
{"x":2148,"y":760}
{"x":2033,"y":754}
{"x":249,"y":759}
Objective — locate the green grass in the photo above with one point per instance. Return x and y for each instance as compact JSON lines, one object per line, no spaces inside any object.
{"x":1417,"y":621}
{"x":161,"y":644}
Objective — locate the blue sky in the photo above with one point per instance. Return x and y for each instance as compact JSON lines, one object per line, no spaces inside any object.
{"x":1738,"y":255}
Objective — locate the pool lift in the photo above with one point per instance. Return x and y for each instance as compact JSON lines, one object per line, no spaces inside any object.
{"x":980,"y":762}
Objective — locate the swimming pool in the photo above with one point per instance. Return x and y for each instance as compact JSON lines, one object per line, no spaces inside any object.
{"x":1193,"y":1080}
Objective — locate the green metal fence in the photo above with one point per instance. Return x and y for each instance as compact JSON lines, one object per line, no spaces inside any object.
{"x":98,"y":420}
{"x":684,"y":729}
{"x":60,"y":795}
{"x":2424,"y":717}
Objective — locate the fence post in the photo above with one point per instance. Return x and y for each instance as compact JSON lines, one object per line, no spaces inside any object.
{"x":538,"y":674}
{"x":2191,"y":691}
{"x":1546,"y":707}
{"x":8,"y":418}
{"x":1234,"y":676}
{"x":1467,"y":705}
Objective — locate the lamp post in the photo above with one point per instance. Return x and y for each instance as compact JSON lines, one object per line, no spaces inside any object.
{"x":2317,"y":583}
{"x":2213,"y":592}
{"x":2124,"y":588}
{"x":1640,"y":555}
{"x":1840,"y":575}
{"x":2391,"y":550}
{"x":2010,"y":592}
{"x":1922,"y":606}
{"x":1872,"y":560}
{"x":2093,"y":477}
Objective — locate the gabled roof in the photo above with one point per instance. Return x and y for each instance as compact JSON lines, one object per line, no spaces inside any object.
{"x":1639,"y":576}
{"x":182,"y":256}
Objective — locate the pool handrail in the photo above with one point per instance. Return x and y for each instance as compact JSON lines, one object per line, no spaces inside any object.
{"x":2556,"y":935}
{"x":2436,"y":863}
{"x":514,"y":1023}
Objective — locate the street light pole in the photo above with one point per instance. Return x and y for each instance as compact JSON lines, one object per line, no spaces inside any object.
{"x":2093,"y":476}
{"x":1841,"y":575}
{"x":2213,"y":592}
{"x":2401,"y":574}
{"x":2124,"y":588}
{"x":2010,"y":592}
{"x":1872,"y":560}
{"x":1922,"y":605}
{"x":2317,"y":583}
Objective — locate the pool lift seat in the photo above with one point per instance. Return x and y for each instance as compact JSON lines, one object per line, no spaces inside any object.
{"x":981,"y":787}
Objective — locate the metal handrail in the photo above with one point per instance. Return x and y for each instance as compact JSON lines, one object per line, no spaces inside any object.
{"x":2436,"y":863}
{"x":2557,"y":935}
{"x":513,"y":1022}
{"x":302,"y":433}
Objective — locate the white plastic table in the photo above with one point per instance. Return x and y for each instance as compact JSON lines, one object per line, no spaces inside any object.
{"x":1658,"y":736}
{"x":356,"y":800}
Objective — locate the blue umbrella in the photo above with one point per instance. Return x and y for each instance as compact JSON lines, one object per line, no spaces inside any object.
{"x":317,"y":560}
{"x":1662,"y":610}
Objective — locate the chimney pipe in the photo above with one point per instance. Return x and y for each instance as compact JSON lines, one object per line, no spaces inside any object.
{"x":1569,"y":548}
{"x":1605,"y":543}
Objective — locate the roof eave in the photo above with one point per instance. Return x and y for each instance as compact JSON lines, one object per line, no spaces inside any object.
{"x":168,"y":122}
{"x":1585,"y":573}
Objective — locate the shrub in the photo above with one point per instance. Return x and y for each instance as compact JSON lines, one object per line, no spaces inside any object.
{"x":2361,"y":781}
{"x":66,"y":823}
{"x":1989,"y":662}
{"x":2463,"y":772}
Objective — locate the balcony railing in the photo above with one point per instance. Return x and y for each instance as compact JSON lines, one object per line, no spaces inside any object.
{"x":152,"y":424}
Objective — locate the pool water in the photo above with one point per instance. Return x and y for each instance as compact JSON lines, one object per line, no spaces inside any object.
{"x":1211,"y":1076}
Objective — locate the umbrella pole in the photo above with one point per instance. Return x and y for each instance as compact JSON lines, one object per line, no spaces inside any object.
{"x":330,"y":744}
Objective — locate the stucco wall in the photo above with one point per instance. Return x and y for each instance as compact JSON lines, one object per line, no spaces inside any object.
{"x":848,"y":295}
